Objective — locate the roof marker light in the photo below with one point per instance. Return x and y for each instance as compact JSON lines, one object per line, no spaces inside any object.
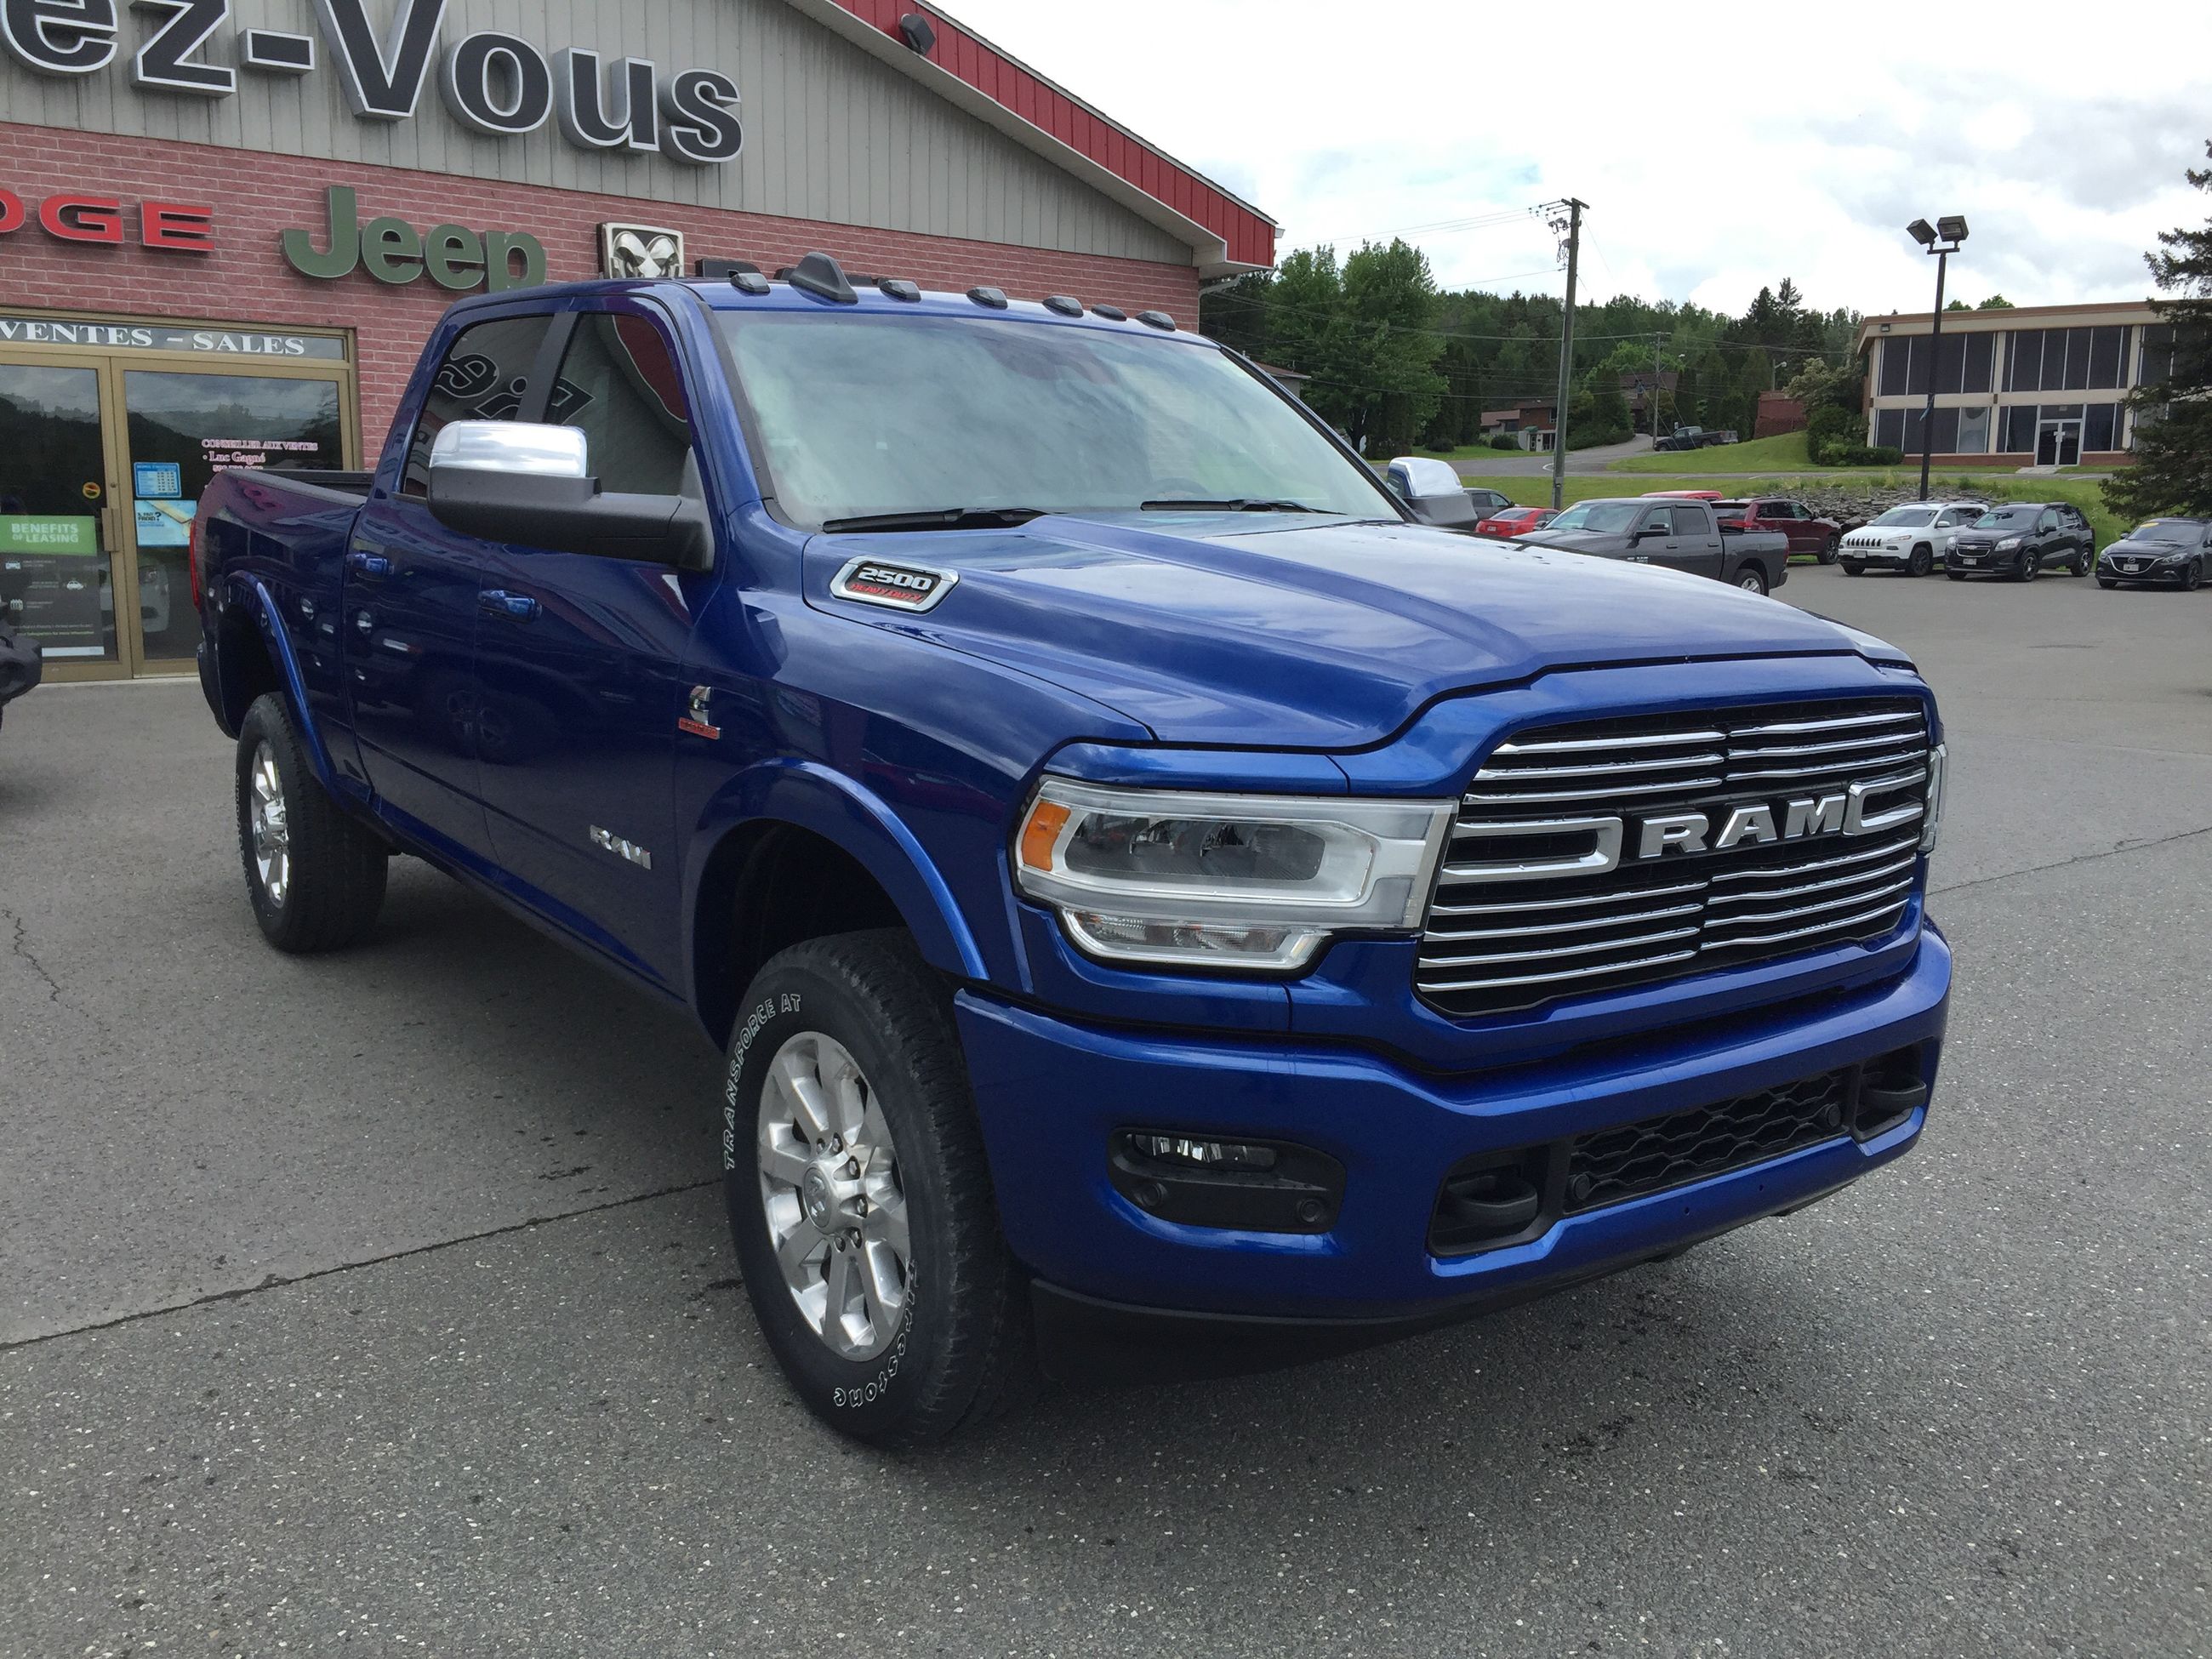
{"x":1065,"y":305}
{"x":1111,"y":313}
{"x":1157,"y":319}
{"x":994,"y":298}
{"x":898,"y":287}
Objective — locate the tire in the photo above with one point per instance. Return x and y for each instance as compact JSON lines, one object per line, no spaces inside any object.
{"x":942,"y":1344}
{"x":2192,"y":579}
{"x":2031,"y":566}
{"x":2084,"y":562}
{"x":1828,"y":554}
{"x":1956,"y":575}
{"x":314,"y":875}
{"x":1751,"y":579}
{"x":1920,"y":560}
{"x":1850,"y":570}
{"x":2106,"y":582}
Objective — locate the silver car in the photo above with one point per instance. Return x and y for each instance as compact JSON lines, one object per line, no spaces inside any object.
{"x":1912,"y":536}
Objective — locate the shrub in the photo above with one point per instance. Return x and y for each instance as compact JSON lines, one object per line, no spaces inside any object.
{"x":1860,"y":455}
{"x":1504,"y":440}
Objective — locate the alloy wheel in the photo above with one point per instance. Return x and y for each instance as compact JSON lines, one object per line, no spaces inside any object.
{"x":2030,"y":565}
{"x":272,"y":836}
{"x":1752,"y":583}
{"x":831,"y":1195}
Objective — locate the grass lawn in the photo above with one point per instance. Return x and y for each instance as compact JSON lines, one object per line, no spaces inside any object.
{"x":1785,"y":451}
{"x":2083,"y":493}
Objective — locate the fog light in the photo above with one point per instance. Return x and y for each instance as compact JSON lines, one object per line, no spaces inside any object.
{"x":1252,"y":1186}
{"x":1212,"y":1154}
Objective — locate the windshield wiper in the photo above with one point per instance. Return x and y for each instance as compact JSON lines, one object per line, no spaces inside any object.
{"x":1235,"y":504}
{"x":941,"y":517}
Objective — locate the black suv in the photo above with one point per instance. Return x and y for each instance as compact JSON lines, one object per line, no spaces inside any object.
{"x":2017,"y":540}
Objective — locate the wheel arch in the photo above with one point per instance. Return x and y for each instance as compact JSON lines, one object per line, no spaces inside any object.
{"x":791,"y":850}
{"x":254,"y":658}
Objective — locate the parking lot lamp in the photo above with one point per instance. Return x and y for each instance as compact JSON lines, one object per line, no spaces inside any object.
{"x":1943,"y":240}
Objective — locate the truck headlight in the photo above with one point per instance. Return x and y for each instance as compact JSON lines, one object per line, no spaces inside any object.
{"x":1931,"y":819}
{"x":1169,"y":876}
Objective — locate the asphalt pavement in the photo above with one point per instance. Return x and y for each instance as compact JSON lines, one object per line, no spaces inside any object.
{"x":379,"y":1303}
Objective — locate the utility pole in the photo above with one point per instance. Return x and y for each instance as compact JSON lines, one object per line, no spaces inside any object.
{"x":1574,"y":229}
{"x":1656,"y":341}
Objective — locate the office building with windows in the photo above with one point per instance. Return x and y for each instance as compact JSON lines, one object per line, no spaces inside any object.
{"x":226,"y":228}
{"x":2026,"y":386}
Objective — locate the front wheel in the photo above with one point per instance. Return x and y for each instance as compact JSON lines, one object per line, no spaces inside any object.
{"x":1923,"y":560}
{"x":1751,"y":579}
{"x":2192,"y":579}
{"x":1956,"y":575}
{"x":2031,"y":566}
{"x":315,"y":876}
{"x":1852,"y":569}
{"x":2106,"y":582}
{"x":859,"y":1199}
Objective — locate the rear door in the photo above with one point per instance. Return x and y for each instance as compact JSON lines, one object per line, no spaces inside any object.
{"x":1695,"y":545}
{"x":409,"y":601}
{"x":579,"y":656}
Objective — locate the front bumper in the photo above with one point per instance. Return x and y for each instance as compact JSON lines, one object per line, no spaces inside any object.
{"x":2157,"y":575}
{"x":1051,"y":1093}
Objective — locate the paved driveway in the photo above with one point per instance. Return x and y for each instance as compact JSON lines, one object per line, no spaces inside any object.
{"x":376,"y":1303}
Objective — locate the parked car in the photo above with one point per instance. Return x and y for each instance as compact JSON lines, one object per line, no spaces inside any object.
{"x":1515,"y":520}
{"x":1806,"y":532}
{"x":2166,"y":552}
{"x":21,"y":663}
{"x":1432,"y":488}
{"x":1913,"y":537}
{"x":1118,"y":851}
{"x":1676,"y":535}
{"x":1693,"y":437}
{"x":2019,"y":538}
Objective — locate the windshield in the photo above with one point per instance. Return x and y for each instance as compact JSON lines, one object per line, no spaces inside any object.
{"x":2183,"y":530}
{"x":860,"y":415}
{"x":1913,"y":515}
{"x":1606,"y":517}
{"x":2006,"y":517}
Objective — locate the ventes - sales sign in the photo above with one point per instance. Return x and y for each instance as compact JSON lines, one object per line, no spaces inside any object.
{"x":492,"y":82}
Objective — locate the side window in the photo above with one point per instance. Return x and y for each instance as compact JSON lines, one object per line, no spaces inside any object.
{"x":1690,"y":521}
{"x":1778,"y":510}
{"x":2047,"y":521}
{"x":620,"y":385}
{"x":484,"y":376}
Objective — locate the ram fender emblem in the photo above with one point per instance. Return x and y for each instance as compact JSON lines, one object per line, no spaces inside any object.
{"x":699,"y":722}
{"x":609,"y":841}
{"x":893,"y":584}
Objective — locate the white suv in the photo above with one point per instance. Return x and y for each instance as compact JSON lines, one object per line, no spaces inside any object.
{"x":1912,"y":536}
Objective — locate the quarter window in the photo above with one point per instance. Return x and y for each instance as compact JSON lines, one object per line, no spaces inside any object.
{"x":484,"y":376}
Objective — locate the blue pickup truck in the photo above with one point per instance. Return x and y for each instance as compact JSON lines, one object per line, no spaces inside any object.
{"x":1164,"y":909}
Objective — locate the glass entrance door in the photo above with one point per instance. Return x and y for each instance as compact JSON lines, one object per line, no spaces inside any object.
{"x":184,"y":426}
{"x":2058,"y":443}
{"x":58,"y":544}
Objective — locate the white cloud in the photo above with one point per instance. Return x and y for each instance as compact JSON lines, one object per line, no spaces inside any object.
{"x":1720,"y":146}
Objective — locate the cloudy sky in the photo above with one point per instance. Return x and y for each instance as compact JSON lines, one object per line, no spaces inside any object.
{"x":1719,"y":145}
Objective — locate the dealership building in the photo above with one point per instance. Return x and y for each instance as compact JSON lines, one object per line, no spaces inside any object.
{"x":2024,"y":386}
{"x":226,"y":227}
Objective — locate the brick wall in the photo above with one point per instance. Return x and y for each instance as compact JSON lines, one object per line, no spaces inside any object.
{"x":245,"y":278}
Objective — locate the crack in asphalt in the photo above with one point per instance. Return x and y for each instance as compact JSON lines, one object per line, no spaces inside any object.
{"x":2078,"y":858}
{"x":279,"y":1281}
{"x":20,"y":946}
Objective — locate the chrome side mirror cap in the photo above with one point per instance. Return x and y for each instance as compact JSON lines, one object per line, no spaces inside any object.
{"x":518,"y":448}
{"x":1421,"y":477}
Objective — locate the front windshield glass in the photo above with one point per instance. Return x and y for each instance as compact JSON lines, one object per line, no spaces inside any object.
{"x":1907,"y":515}
{"x":862,"y":414}
{"x":2166,"y":530}
{"x":2006,"y":517}
{"x":1606,"y":517}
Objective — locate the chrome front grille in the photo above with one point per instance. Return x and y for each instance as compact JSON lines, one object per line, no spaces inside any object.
{"x":1545,"y":893}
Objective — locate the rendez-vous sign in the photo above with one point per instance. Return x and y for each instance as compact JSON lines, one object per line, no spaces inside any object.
{"x":492,"y":82}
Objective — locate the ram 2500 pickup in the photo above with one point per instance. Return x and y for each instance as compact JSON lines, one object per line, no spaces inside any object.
{"x":1160,"y":905}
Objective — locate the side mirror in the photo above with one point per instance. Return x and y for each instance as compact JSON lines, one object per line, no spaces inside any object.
{"x":519,"y":482}
{"x":1432,"y":490}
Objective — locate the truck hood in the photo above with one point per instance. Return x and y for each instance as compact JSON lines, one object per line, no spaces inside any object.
{"x":1577,"y":541}
{"x":1273,"y":631}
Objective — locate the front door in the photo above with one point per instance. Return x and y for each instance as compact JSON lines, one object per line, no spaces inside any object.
{"x":411,"y":593}
{"x":579,"y":656}
{"x":2058,"y":443}
{"x":57,"y":529}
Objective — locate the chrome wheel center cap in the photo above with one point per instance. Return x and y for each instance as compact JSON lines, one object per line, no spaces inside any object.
{"x":814,"y":1193}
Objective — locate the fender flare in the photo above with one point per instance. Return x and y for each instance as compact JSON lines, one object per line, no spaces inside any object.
{"x":268,"y":620}
{"x":810,"y":796}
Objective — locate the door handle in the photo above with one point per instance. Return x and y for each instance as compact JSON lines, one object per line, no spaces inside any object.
{"x":519,"y":607}
{"x":372,"y":565}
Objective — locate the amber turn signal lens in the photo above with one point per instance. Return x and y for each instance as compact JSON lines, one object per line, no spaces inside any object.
{"x":1047,"y":820}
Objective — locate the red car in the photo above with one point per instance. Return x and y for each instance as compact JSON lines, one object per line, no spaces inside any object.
{"x":1516,"y":520}
{"x":1781,"y":516}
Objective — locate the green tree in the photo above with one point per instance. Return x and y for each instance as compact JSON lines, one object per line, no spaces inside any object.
{"x":1235,"y":312}
{"x":2174,"y":416}
{"x":1391,"y":306}
{"x":1995,"y":302}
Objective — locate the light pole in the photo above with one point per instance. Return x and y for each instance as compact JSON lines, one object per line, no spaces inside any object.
{"x":1942,"y":241}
